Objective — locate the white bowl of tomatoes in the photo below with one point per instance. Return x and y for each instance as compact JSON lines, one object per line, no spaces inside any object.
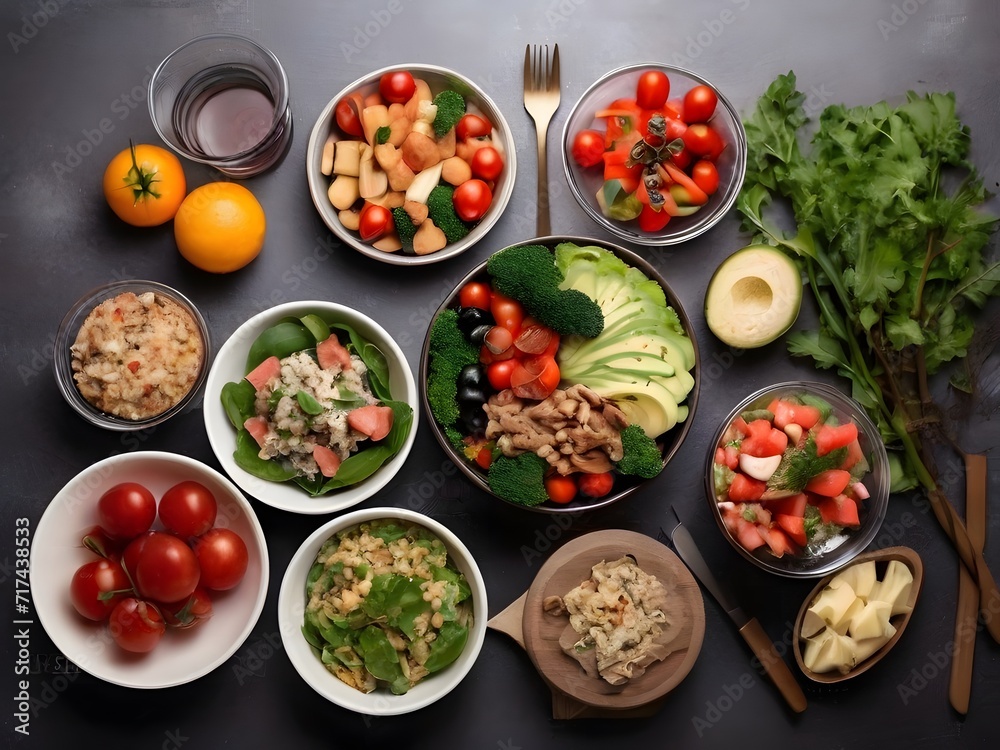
{"x":405,"y":144}
{"x":148,"y":569}
{"x":654,"y":153}
{"x":798,"y":479}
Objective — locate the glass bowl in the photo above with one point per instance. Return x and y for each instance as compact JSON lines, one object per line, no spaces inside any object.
{"x":291,"y":610}
{"x":438,"y":79}
{"x":840,"y":548}
{"x":586,"y":182}
{"x":670,"y":441}
{"x":67,"y":334}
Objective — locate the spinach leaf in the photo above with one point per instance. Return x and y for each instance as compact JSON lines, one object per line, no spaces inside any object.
{"x":280,"y":341}
{"x":374,"y":359}
{"x":447,"y":646}
{"x":316,"y":326}
{"x":308,"y":403}
{"x":237,"y":400}
{"x":247,"y":458}
{"x":381,"y":659}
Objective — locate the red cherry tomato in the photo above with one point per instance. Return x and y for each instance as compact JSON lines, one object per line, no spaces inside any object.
{"x":560,"y":489}
{"x":102,"y":545}
{"x":652,"y":90}
{"x":588,"y":148}
{"x":375,"y":221}
{"x":701,"y":140}
{"x":223,"y":558}
{"x":535,"y":377}
{"x":188,"y":612}
{"x":596,"y":485}
{"x":705,"y":176}
{"x":126,"y":510}
{"x":475,"y":294}
{"x":651,"y":220}
{"x":188,"y":509}
{"x":498,"y":373}
{"x":498,"y":340}
{"x":487,"y":164}
{"x":136,"y":626}
{"x":397,"y":87}
{"x":347,"y":119}
{"x":472,"y":200}
{"x":699,"y":104}
{"x":130,"y":555}
{"x":507,"y":312}
{"x":167,"y":569}
{"x":535,"y":338}
{"x":97,"y":587}
{"x":472,"y":126}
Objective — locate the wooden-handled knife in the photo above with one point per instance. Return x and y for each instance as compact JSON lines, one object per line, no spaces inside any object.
{"x":755,"y":636}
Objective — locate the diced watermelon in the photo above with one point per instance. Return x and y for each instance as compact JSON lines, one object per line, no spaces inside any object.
{"x":720,"y":456}
{"x":788,"y":412}
{"x":840,"y":510}
{"x":330,"y":352}
{"x":763,"y":440}
{"x":789,"y":506}
{"x":794,"y":526}
{"x":257,"y":427}
{"x":747,"y":536}
{"x":373,"y":421}
{"x":327,"y":461}
{"x":265,"y":371}
{"x":744,"y":488}
{"x":732,"y":457}
{"x":741,"y":426}
{"x":829,"y":483}
{"x":829,"y":438}
{"x":854,"y":454}
{"x":776,"y":539}
{"x":730,"y":516}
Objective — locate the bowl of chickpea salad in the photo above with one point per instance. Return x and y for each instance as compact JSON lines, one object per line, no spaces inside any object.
{"x":383,"y":611}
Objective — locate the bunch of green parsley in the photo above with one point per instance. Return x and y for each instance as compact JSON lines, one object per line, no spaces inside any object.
{"x":891,"y":235}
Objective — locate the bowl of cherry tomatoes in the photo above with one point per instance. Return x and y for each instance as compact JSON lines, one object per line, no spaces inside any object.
{"x":654,"y":153}
{"x":411,"y":164}
{"x":148,"y":569}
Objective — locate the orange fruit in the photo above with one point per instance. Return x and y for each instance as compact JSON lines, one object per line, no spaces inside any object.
{"x":144,"y":185}
{"x":220,"y":227}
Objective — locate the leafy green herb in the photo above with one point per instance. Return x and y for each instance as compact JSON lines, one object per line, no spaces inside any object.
{"x":308,"y":403}
{"x":891,"y":236}
{"x":382,"y":135}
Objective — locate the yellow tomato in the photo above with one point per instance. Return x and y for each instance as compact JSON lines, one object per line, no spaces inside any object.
{"x":220,"y":227}
{"x":144,"y":185}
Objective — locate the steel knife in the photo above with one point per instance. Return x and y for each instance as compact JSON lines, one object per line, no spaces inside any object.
{"x":751,"y":630}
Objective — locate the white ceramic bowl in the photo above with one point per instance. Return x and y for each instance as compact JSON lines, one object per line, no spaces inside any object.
{"x":57,"y":551}
{"x":291,"y":609}
{"x":438,"y":79}
{"x":229,"y":366}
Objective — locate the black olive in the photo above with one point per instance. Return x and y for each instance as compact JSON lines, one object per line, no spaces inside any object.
{"x":472,"y":375}
{"x":473,"y":418}
{"x":471,"y":394}
{"x":479,"y":334}
{"x":471,"y":318}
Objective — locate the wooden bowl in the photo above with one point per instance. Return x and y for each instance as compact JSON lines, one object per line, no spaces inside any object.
{"x":539,"y":632}
{"x":882,"y":557}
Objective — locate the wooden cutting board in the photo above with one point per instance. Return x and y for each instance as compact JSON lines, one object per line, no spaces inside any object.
{"x":575,"y":694}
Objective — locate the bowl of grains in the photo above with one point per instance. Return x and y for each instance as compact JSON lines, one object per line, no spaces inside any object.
{"x":130,"y":354}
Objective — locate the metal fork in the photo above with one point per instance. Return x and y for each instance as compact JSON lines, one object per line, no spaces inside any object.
{"x":541,"y":100}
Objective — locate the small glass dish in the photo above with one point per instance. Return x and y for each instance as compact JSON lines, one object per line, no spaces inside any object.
{"x":66,"y":335}
{"x":586,"y":182}
{"x":841,"y":548}
{"x":438,"y":79}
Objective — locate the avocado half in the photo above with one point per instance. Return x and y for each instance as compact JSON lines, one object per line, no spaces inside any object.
{"x":753,"y":297}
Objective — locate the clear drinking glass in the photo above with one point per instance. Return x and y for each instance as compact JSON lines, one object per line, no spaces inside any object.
{"x":222,"y":100}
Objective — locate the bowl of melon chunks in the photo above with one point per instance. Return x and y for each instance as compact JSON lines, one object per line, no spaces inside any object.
{"x":798,"y":479}
{"x":411,"y":164}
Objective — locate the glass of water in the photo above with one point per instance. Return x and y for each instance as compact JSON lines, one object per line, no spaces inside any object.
{"x":222,"y":100}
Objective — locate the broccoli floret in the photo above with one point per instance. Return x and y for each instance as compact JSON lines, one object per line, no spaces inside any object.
{"x":448,"y":352}
{"x":450,"y":108}
{"x":404,"y":227}
{"x":640,"y":455}
{"x":441,"y":210}
{"x":520,"y":479}
{"x":528,"y":274}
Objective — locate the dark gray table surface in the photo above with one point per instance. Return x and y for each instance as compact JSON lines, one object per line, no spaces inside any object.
{"x":67,"y":66}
